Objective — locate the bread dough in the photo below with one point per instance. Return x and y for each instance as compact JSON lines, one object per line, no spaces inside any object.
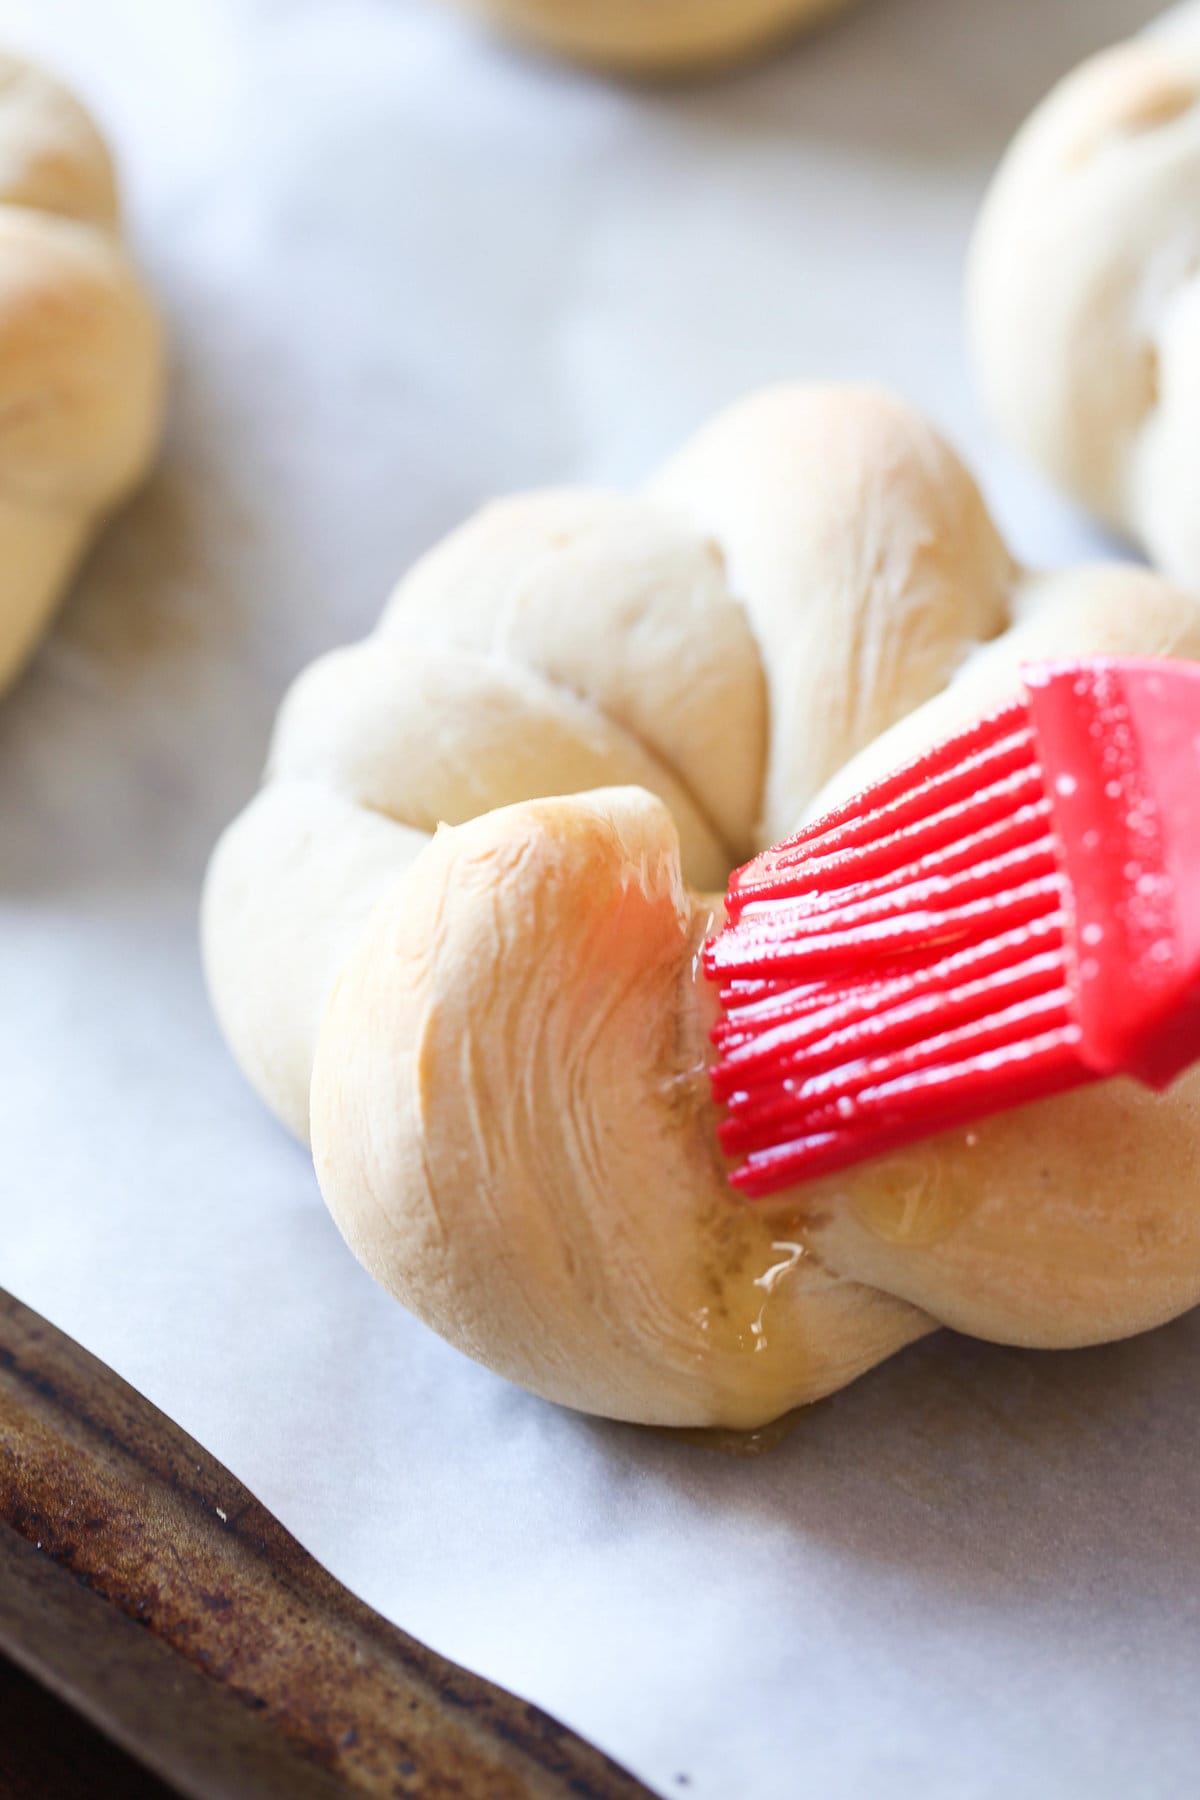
{"x":1084,"y":289}
{"x":498,"y":1034}
{"x":655,"y":37}
{"x":81,"y":355}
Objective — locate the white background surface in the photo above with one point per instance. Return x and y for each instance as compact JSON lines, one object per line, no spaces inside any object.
{"x":404,"y":268}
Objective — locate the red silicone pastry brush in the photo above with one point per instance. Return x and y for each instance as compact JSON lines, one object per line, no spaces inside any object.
{"x":1015,"y":913}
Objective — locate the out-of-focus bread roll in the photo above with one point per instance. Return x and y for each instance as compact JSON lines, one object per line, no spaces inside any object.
{"x":656,"y":37}
{"x":1084,"y":290}
{"x":81,"y":351}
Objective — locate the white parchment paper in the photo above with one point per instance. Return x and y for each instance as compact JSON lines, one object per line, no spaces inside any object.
{"x":406,"y":267}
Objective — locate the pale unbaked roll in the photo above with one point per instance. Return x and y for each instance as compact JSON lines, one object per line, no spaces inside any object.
{"x":81,"y":351}
{"x":1084,"y":290}
{"x":496,"y":1032}
{"x":656,"y":37}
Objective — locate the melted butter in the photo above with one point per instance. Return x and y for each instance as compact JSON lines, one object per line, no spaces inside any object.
{"x":756,"y":1259}
{"x":917,"y":1197}
{"x":914,"y":1198}
{"x":754,"y":1251}
{"x":726,"y":1441}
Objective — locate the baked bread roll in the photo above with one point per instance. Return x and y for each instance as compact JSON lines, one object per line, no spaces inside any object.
{"x":81,"y":353}
{"x":655,"y":37}
{"x":1084,"y":290}
{"x":455,"y":935}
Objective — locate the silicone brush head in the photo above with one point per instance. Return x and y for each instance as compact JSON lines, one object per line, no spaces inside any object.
{"x":1010,"y":915}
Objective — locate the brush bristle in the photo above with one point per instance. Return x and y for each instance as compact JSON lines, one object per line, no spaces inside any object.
{"x":896,"y":967}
